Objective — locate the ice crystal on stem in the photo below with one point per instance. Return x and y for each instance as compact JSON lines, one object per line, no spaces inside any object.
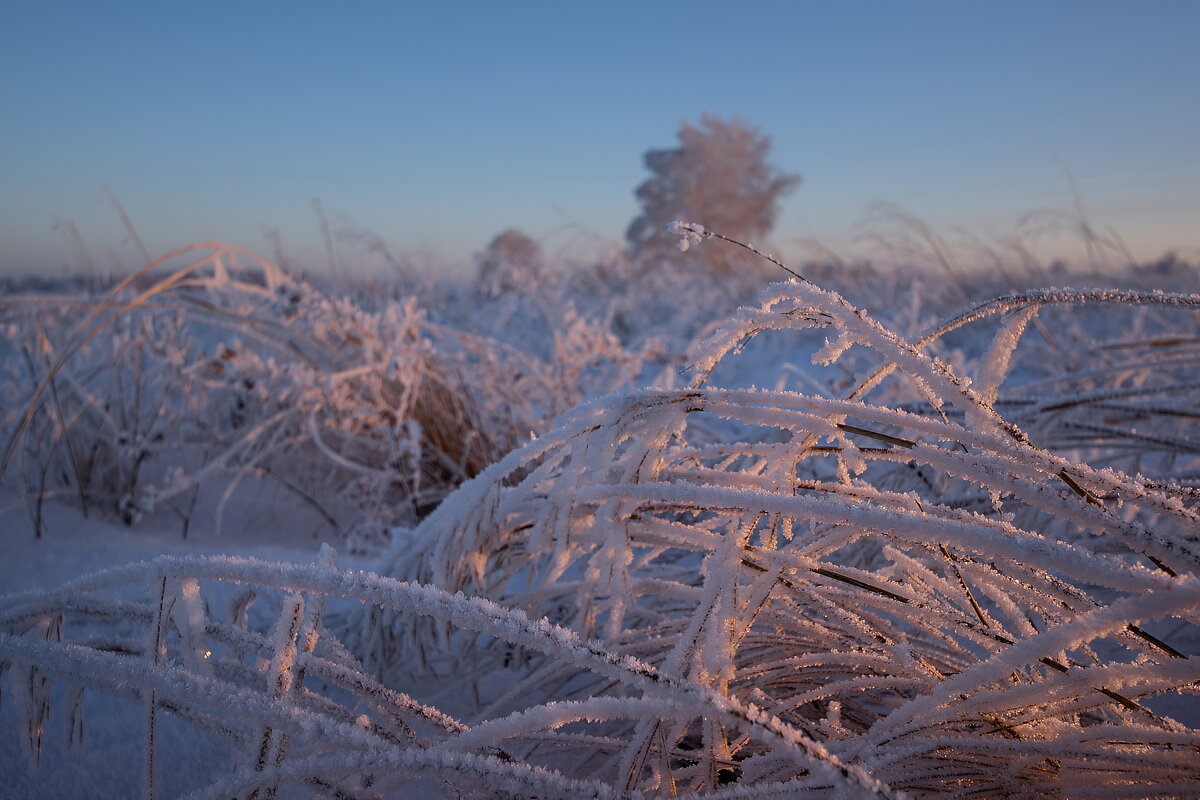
{"x":690,"y":233}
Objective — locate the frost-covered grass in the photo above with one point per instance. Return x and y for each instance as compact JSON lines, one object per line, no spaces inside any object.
{"x":220,"y":374}
{"x":952,"y":562}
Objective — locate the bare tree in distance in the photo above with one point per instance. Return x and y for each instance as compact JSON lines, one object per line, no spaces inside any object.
{"x":718,"y":177}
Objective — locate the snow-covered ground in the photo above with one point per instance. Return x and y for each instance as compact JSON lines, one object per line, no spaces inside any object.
{"x":106,"y":763}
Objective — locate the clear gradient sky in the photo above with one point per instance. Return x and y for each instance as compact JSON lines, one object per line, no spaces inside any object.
{"x":437,"y":124}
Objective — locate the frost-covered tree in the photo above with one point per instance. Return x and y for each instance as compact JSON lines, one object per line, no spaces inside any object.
{"x":718,"y":177}
{"x":511,"y":261}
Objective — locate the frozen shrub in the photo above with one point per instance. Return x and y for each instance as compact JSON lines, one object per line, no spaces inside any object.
{"x":511,"y":262}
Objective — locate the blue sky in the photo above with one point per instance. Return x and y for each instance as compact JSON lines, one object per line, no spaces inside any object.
{"x":437,"y":124}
